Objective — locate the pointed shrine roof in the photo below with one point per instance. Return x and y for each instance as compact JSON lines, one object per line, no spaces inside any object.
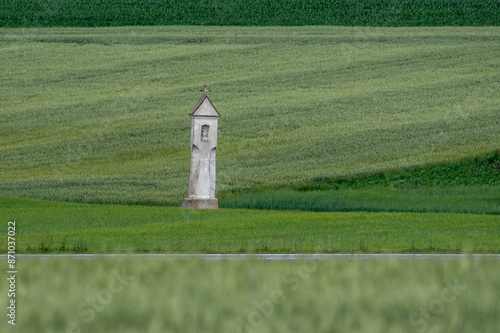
{"x":204,"y":108}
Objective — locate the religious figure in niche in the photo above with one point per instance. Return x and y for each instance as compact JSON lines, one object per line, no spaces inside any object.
{"x":204,"y":133}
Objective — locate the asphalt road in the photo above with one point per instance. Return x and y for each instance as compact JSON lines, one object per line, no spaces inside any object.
{"x":260,"y":256}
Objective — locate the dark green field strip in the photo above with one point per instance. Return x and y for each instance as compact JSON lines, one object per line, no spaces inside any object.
{"x":469,"y":186}
{"x":94,"y":13}
{"x":452,"y":199}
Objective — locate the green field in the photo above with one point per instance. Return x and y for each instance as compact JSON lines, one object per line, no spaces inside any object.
{"x":339,"y":139}
{"x":92,"y":13}
{"x":153,"y":295}
{"x":52,"y":227}
{"x":100,"y":115}
{"x":464,"y":187}
{"x":313,"y":118}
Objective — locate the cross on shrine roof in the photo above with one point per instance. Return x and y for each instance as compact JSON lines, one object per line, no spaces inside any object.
{"x":204,"y":107}
{"x":205,"y":90}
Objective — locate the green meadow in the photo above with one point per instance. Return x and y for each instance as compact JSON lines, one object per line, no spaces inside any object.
{"x":53,"y":227}
{"x":101,"y":115}
{"x":64,"y":295}
{"x":331,"y":140}
{"x":400,"y":121}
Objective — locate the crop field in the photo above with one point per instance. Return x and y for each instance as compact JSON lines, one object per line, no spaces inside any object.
{"x":154,"y":295}
{"x":313,"y":118}
{"x":331,"y":140}
{"x":92,"y":13}
{"x":465,"y":187}
{"x":101,"y":115}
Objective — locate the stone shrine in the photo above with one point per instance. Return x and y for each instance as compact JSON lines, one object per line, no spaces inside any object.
{"x":204,"y":120}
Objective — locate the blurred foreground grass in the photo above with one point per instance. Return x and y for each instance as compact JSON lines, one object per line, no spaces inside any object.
{"x":157,"y":295}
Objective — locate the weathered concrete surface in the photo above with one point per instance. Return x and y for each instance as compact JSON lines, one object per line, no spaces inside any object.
{"x":204,"y":122}
{"x":195,"y":203}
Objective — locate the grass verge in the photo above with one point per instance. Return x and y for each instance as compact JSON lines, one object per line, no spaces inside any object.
{"x":50,"y":227}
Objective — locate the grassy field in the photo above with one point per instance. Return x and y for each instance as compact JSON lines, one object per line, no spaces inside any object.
{"x":314,"y":118}
{"x":471,"y":186}
{"x":91,"y":13}
{"x":100,"y":115}
{"x":52,"y":227}
{"x":472,"y":200}
{"x":152,"y":295}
